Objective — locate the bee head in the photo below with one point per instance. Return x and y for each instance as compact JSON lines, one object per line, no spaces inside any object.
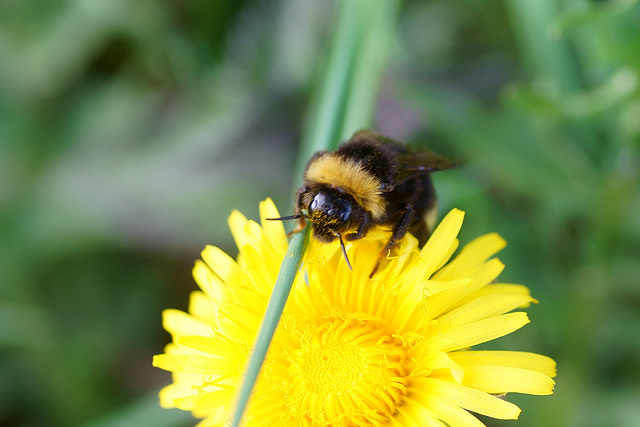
{"x":330,"y":211}
{"x":330,"y":214}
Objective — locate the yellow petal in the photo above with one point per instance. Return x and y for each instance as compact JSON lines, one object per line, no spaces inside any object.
{"x":409,"y":297}
{"x":170,"y":393}
{"x":237,"y":222}
{"x":498,"y":288}
{"x":468,"y":398}
{"x":440,"y":243}
{"x":479,"y":332}
{"x":253,"y":233}
{"x":395,"y":265}
{"x":203,"y":308}
{"x":451,"y":414}
{"x":471,"y":256}
{"x":440,"y":360}
{"x":206,"y":280}
{"x":212,"y":345}
{"x":273,"y":230}
{"x":179,"y":323}
{"x":189,"y":363}
{"x":500,"y":379}
{"x":173,"y":348}
{"x":480,"y":277}
{"x":245,"y":232}
{"x":513,"y":359}
{"x":484,"y":307}
{"x":242,"y":321}
{"x":211,"y":421}
{"x":449,"y":254}
{"x":415,"y":414}
{"x":431,"y":287}
{"x":263,"y":273}
{"x":203,"y":400}
{"x":221,"y":264}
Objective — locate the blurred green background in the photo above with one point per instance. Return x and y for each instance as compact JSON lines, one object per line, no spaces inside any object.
{"x":130,"y":129}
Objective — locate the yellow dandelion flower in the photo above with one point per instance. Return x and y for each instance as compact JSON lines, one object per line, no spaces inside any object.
{"x":392,"y":350}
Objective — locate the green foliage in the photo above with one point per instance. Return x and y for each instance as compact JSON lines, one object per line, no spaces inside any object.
{"x":129,"y":130}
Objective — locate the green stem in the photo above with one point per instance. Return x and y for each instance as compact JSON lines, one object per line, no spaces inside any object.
{"x":279,"y":296}
{"x":369,"y":66}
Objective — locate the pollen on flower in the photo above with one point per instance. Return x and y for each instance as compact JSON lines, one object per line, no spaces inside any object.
{"x":394,"y":350}
{"x":349,"y":373}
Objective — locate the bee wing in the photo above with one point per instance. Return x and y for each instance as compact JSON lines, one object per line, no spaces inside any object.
{"x":412,"y":164}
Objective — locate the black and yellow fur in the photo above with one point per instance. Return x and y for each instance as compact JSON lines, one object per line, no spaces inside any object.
{"x":369,"y":181}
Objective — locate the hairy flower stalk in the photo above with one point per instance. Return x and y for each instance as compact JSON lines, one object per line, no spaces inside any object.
{"x":392,"y":350}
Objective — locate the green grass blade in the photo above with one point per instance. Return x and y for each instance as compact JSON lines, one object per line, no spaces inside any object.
{"x":281,"y":289}
{"x":381,"y":18}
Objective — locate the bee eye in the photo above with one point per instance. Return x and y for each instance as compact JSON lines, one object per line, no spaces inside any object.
{"x":332,"y":205}
{"x":345,"y":211}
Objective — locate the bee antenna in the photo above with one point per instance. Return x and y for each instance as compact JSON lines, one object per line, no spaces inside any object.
{"x":285,"y":218}
{"x":344,"y":252}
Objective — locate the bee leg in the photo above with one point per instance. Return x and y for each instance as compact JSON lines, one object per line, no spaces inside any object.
{"x":301,"y":221}
{"x":399,"y":230}
{"x":366,"y":224}
{"x":300,"y":224}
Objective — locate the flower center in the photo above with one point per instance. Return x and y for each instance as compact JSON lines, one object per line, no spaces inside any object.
{"x":352,"y":374}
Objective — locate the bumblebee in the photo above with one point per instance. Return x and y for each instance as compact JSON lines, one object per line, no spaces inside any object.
{"x":369,"y":181}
